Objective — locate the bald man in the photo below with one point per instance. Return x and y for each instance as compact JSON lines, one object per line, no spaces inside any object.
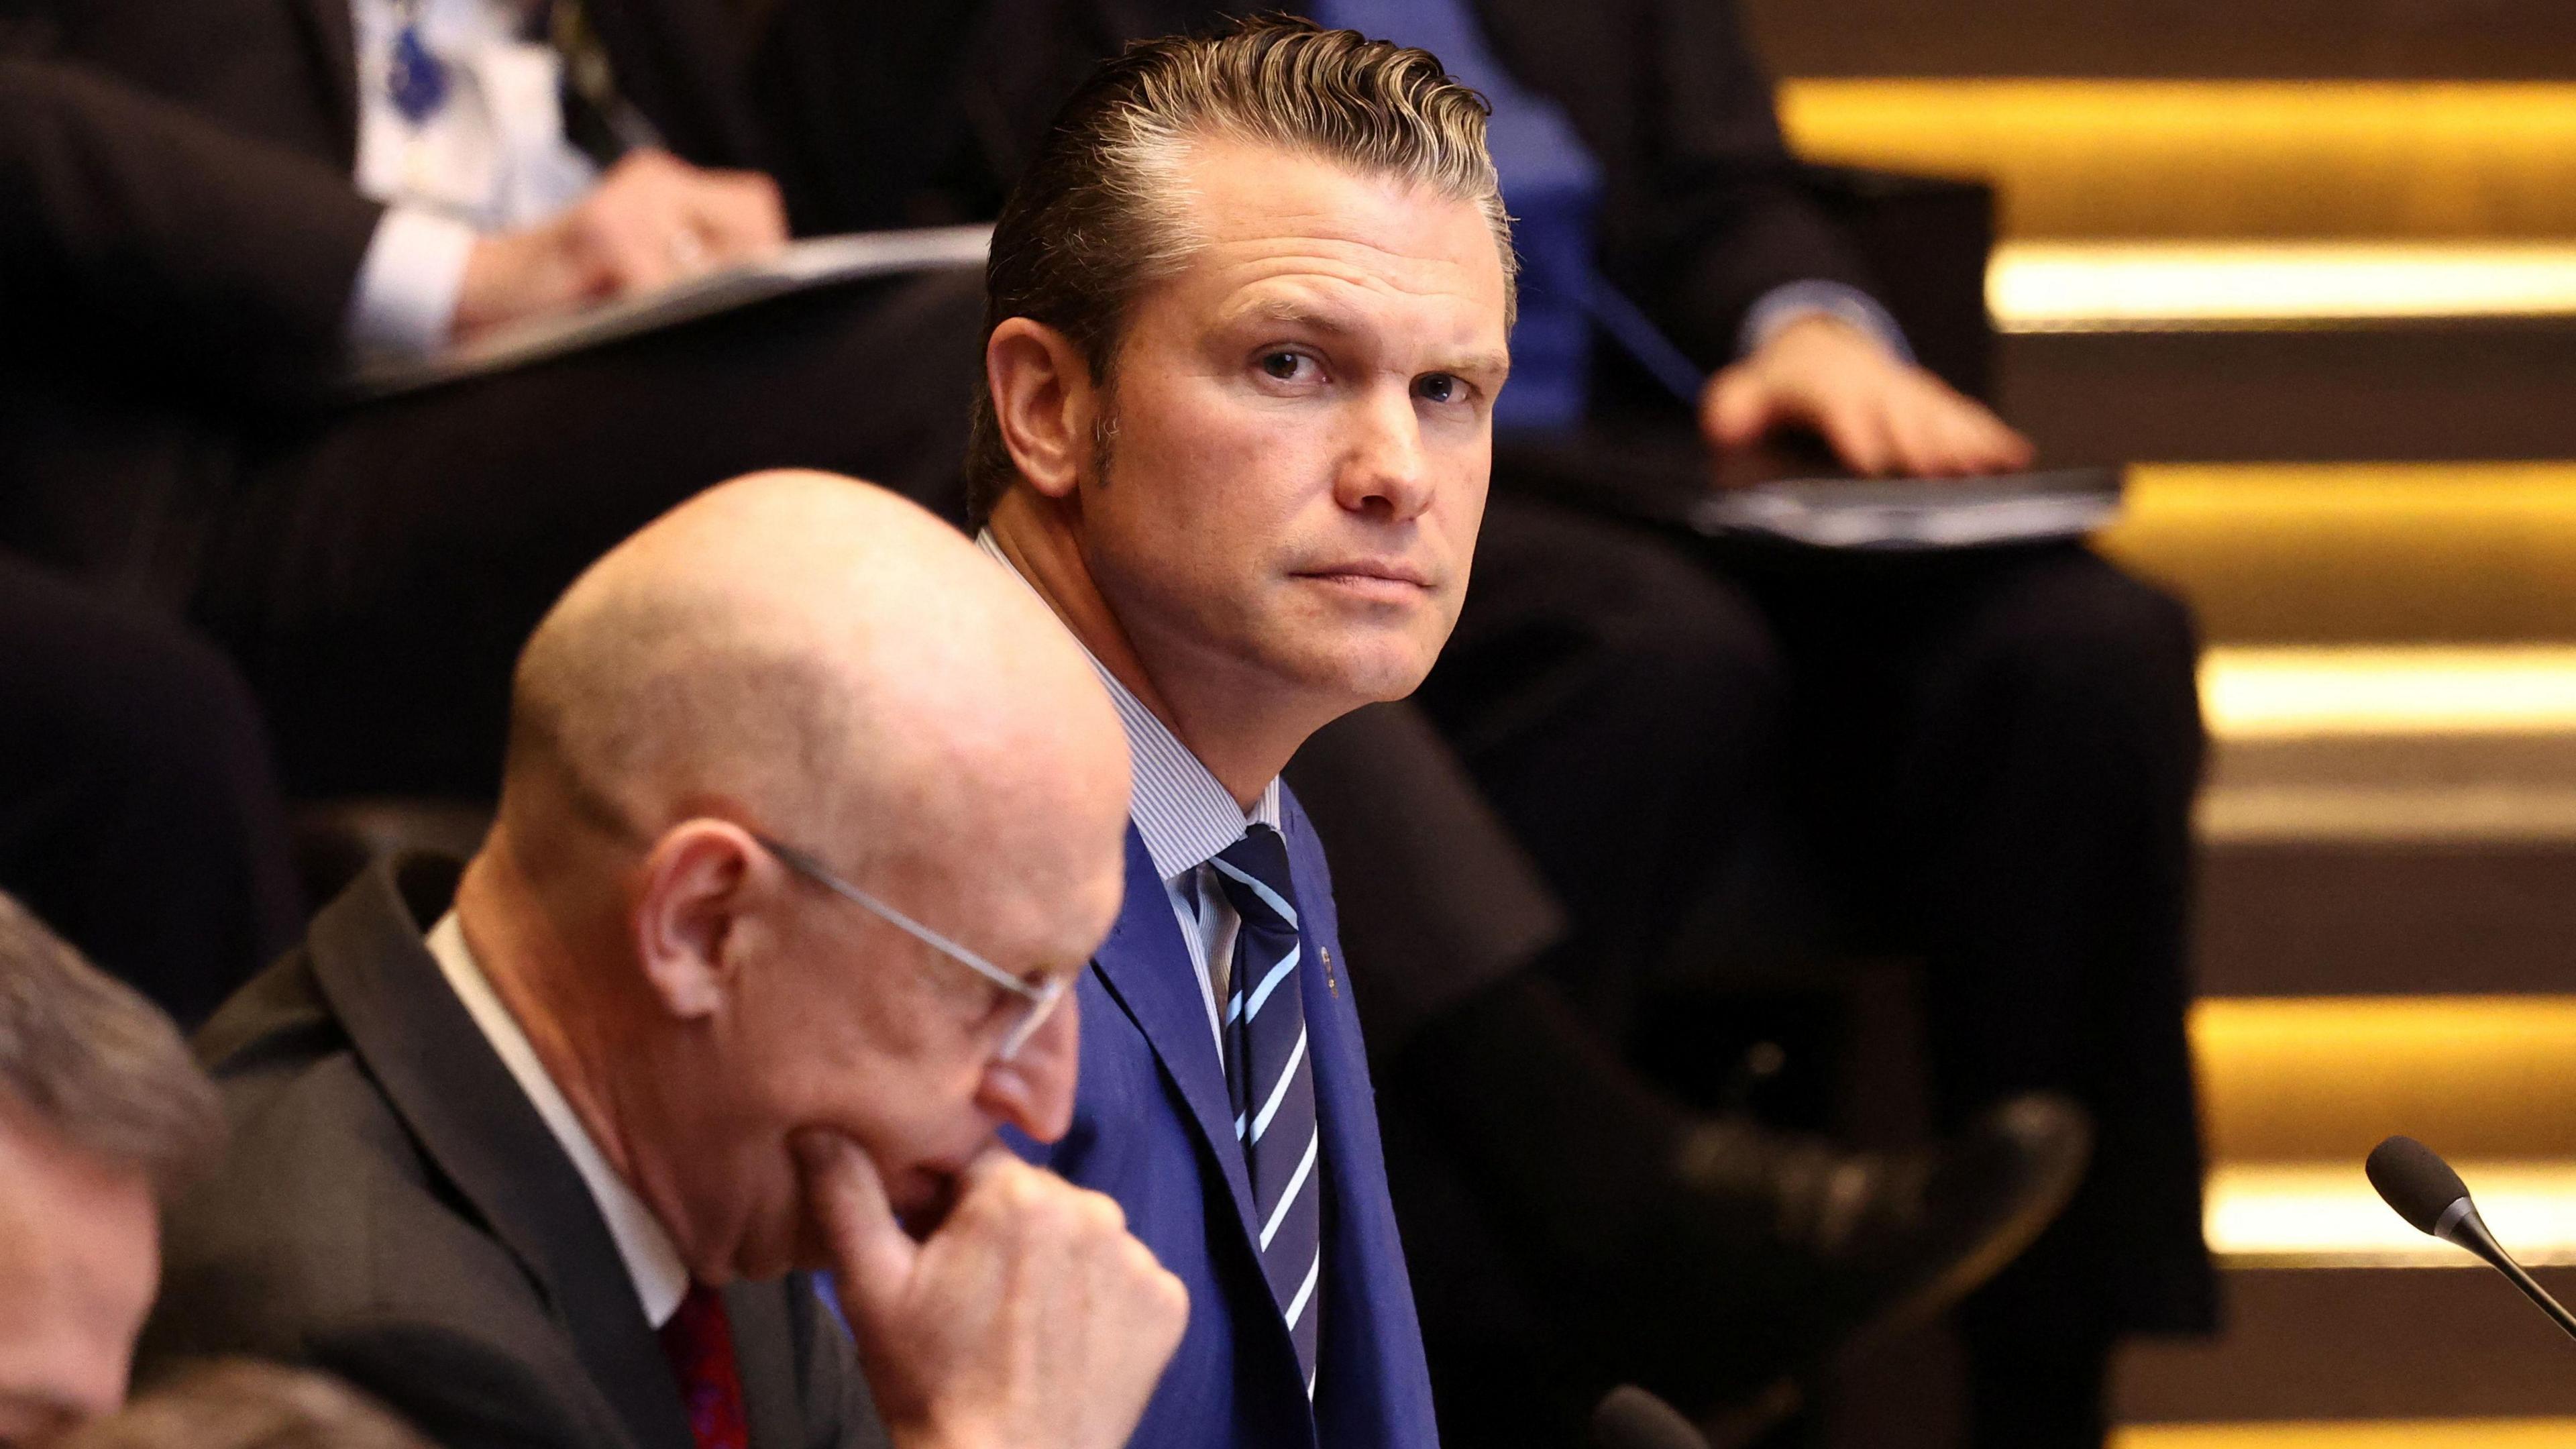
{"x":808,"y":821}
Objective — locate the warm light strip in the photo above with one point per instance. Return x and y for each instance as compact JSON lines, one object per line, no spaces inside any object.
{"x":1972,"y":122}
{"x":2254,"y":693}
{"x":2106,"y":286}
{"x":2326,"y":1214}
{"x":2396,"y":814}
{"x":2099,"y":159}
{"x":2352,"y":1434}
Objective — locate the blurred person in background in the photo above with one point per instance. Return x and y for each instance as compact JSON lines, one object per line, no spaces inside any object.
{"x":212,"y":213}
{"x":103,"y":1115}
{"x":139,"y":813}
{"x":243,"y":1404}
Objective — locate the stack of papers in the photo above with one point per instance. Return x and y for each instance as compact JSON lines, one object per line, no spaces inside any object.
{"x":1877,"y":513}
{"x":802,"y":266}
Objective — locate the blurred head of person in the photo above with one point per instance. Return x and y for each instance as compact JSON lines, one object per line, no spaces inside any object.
{"x":794,"y":687}
{"x":1247,"y":315}
{"x":241,"y":1404}
{"x":103,"y":1114}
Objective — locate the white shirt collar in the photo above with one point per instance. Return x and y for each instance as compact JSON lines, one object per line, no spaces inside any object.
{"x":661,"y":1279}
{"x":1181,"y":810}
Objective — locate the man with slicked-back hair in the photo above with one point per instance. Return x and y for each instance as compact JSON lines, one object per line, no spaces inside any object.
{"x":1249,"y":311}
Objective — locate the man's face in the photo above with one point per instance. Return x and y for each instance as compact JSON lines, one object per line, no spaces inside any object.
{"x":879,"y":1037}
{"x":1302,"y":432}
{"x":79,"y":1259}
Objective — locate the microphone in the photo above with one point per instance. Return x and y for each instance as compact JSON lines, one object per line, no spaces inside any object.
{"x":2422,"y":1188}
{"x":1630,"y":1418}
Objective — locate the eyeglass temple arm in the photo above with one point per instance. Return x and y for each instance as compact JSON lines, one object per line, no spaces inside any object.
{"x":812,"y":869}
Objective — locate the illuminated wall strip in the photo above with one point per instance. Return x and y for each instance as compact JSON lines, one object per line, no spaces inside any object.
{"x":2325,"y":1215}
{"x":2322,"y":553}
{"x":2353,"y":1434}
{"x":2480,"y":814}
{"x":2295,"y":693}
{"x":2322,"y":1079}
{"x":2133,"y":158}
{"x":2070,"y":286}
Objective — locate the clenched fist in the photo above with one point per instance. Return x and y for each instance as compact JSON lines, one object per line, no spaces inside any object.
{"x":1030,"y":1319}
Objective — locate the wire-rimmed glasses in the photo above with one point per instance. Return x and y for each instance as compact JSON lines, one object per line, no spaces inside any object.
{"x":1039,"y":1002}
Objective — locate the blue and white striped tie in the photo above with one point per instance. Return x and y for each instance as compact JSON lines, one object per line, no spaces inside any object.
{"x":1272,"y":1080}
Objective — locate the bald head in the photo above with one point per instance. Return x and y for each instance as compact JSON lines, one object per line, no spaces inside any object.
{"x":804,"y":661}
{"x":832,"y":663}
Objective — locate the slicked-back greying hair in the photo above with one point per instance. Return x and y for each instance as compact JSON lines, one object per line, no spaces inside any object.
{"x":87,"y":1059}
{"x":1101,"y":213}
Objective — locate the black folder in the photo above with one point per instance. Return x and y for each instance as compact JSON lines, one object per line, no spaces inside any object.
{"x":1792,"y":493}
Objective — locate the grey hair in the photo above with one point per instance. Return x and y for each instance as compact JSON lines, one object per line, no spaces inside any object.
{"x":239,"y":1404}
{"x":93,"y":1063}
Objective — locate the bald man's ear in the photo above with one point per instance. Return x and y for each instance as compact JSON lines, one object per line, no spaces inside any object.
{"x":1044,"y":401}
{"x":695,"y":883}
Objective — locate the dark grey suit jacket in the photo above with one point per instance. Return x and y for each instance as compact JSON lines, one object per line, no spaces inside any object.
{"x":394,"y":1211}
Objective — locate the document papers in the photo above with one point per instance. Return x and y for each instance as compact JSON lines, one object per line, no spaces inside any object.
{"x":802,"y":266}
{"x":1872,"y":513}
{"x":1790,"y":492}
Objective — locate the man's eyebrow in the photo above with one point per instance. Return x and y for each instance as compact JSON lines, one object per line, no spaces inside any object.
{"x":1477,"y":363}
{"x":1308,"y":316}
{"x":1300,"y":312}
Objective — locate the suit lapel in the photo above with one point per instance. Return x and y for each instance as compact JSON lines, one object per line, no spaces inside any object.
{"x":764,"y":1354}
{"x":1146,"y":965}
{"x":1375,"y":1389}
{"x":331,"y":37}
{"x":470,"y":1117}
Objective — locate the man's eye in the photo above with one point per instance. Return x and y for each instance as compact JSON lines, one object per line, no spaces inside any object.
{"x":1439,"y":387}
{"x":1285,"y":366}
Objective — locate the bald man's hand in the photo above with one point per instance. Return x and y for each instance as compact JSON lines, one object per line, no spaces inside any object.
{"x":1880,"y":413}
{"x":1029,"y":1318}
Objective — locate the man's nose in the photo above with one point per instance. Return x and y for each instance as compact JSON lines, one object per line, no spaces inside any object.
{"x":1385,"y":469}
{"x":1033,"y":1091}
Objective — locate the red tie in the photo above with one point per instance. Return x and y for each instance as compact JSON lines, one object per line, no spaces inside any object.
{"x":699,"y":1342}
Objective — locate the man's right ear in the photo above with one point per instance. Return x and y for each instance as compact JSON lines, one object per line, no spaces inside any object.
{"x":1044,"y":402}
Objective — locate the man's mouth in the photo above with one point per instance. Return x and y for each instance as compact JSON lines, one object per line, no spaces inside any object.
{"x":1390,"y":575}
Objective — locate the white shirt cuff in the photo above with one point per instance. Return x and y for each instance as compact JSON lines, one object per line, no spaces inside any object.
{"x":1789,"y":301}
{"x":405,"y":302}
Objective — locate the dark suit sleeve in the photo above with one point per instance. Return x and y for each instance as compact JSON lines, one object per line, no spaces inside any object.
{"x":461,"y":1392}
{"x":840,"y":1412}
{"x":1705,"y":210}
{"x":137,"y":226}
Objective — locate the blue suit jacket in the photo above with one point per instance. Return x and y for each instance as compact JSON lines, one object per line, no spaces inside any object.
{"x":1152,"y":1128}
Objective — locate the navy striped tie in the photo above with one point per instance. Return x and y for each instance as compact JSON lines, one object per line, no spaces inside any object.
{"x":1272,"y":1080}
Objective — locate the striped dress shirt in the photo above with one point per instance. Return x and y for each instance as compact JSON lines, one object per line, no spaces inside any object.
{"x":1185,"y":817}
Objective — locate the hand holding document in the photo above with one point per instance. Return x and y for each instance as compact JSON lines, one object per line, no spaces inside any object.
{"x":801,"y":266}
{"x":1784,"y":493}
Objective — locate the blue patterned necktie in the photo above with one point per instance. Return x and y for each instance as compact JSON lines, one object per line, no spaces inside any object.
{"x":1271,"y":1079}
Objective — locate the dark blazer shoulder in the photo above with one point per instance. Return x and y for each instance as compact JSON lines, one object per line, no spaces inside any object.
{"x":326,"y":1238}
{"x":395,"y":1210}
